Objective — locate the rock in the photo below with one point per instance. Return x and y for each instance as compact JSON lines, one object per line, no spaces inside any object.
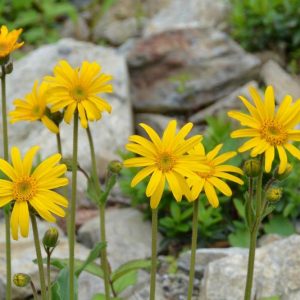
{"x":124,"y":20}
{"x":77,"y":29}
{"x":128,"y":235}
{"x":190,"y":13}
{"x":268,"y":239}
{"x":23,"y":253}
{"x":283,"y":83}
{"x":184,"y":70}
{"x":205,"y":256}
{"x":277,"y":269}
{"x":110,"y":133}
{"x":228,"y":103}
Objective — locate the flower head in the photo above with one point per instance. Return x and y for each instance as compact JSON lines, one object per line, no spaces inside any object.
{"x":268,"y":129}
{"x":33,"y":108}
{"x":214,"y":178}
{"x":32,"y":188}
{"x":78,"y":89}
{"x":166,"y":159}
{"x":8,"y":41}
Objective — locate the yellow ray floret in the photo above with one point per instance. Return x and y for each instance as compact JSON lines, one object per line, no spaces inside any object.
{"x":32,"y":188}
{"x":166,"y":159}
{"x":78,"y":89}
{"x":33,"y":108}
{"x":269,"y":130}
{"x":9,"y":41}
{"x":214,"y":178}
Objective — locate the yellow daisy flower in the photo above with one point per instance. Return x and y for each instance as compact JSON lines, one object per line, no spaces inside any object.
{"x":78,"y":88}
{"x":166,"y":159}
{"x":33,"y":108}
{"x":29,"y":187}
{"x":214,"y":178}
{"x":8,"y":41}
{"x":268,"y":129}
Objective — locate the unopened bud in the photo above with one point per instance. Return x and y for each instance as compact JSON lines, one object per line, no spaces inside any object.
{"x":50,"y":237}
{"x":285,"y":174}
{"x":21,"y":279}
{"x":115,"y":166}
{"x":9,"y":68}
{"x":274,"y":194}
{"x":252,"y":167}
{"x":68,"y":162}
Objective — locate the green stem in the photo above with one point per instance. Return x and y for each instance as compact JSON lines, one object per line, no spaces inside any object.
{"x":73,"y":208}
{"x":58,"y":140}
{"x":7,"y":208}
{"x":49,"y":274}
{"x":39,"y":256}
{"x":193,"y":249}
{"x":34,"y":292}
{"x":253,"y":235}
{"x":104,"y":262}
{"x":154,"y":254}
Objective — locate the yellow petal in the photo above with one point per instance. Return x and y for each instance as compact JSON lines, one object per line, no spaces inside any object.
{"x":28,"y":159}
{"x":211,"y":194}
{"x":153,"y":182}
{"x":269,"y":157}
{"x":174,"y":186}
{"x":282,"y":158}
{"x":24,"y":218}
{"x":220,"y":185}
{"x":50,"y":124}
{"x":14,"y":220}
{"x":141,"y":175}
{"x":156,"y":196}
{"x":293,"y":150}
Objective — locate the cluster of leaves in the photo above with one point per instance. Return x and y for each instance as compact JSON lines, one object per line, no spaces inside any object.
{"x":39,"y":19}
{"x":227,"y":222}
{"x":264,"y":24}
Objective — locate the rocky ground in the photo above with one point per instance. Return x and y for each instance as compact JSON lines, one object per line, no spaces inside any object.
{"x":172,"y":58}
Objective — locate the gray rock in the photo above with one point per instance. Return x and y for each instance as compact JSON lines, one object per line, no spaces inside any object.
{"x":77,"y":29}
{"x":228,"y":103}
{"x":185,"y":70}
{"x":189,"y":14}
{"x":283,"y":83}
{"x":205,"y":256}
{"x":128,"y":235}
{"x":277,"y":269}
{"x":110,"y":133}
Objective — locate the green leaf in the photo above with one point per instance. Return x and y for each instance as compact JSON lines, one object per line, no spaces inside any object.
{"x":60,"y":288}
{"x":129,"y":267}
{"x":279,"y":225}
{"x":125,"y":281}
{"x":92,"y":192}
{"x":102,"y":297}
{"x":175,"y":211}
{"x":94,"y":254}
{"x":239,"y":238}
{"x":238,"y":204}
{"x":29,"y":17}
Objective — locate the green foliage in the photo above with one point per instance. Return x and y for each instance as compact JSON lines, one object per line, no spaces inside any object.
{"x":39,"y":19}
{"x":265,"y":24}
{"x":280,"y":225}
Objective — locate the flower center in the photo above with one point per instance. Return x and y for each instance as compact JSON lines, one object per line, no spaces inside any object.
{"x":274,"y":133}
{"x":36,"y":111}
{"x":24,"y":189}
{"x":78,"y":94}
{"x":165,"y":161}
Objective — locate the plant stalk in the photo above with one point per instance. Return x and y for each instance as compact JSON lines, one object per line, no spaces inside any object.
{"x":154,"y":254}
{"x":7,"y":208}
{"x":58,"y":141}
{"x":193,"y":248}
{"x":34,"y":292}
{"x":253,"y":235}
{"x":104,"y":261}
{"x":73,"y":208}
{"x":39,"y":256}
{"x":49,"y":274}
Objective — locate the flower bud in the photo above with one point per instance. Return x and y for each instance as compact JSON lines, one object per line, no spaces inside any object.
{"x":274,"y":194}
{"x":21,"y":279}
{"x":285,"y":174}
{"x":115,"y":166}
{"x":9,"y":68}
{"x":252,"y":167}
{"x":50,"y":237}
{"x":4,"y":60}
{"x":68,"y":162}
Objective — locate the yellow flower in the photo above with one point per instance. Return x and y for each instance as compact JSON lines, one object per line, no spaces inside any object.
{"x":268,"y":129}
{"x":210,"y":180}
{"x":8,"y":41}
{"x":33,"y":108}
{"x":165,"y":158}
{"x":78,"y":88}
{"x":29,"y":187}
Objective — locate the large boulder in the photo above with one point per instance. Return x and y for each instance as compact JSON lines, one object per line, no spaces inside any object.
{"x":110,"y":133}
{"x":181,"y":71}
